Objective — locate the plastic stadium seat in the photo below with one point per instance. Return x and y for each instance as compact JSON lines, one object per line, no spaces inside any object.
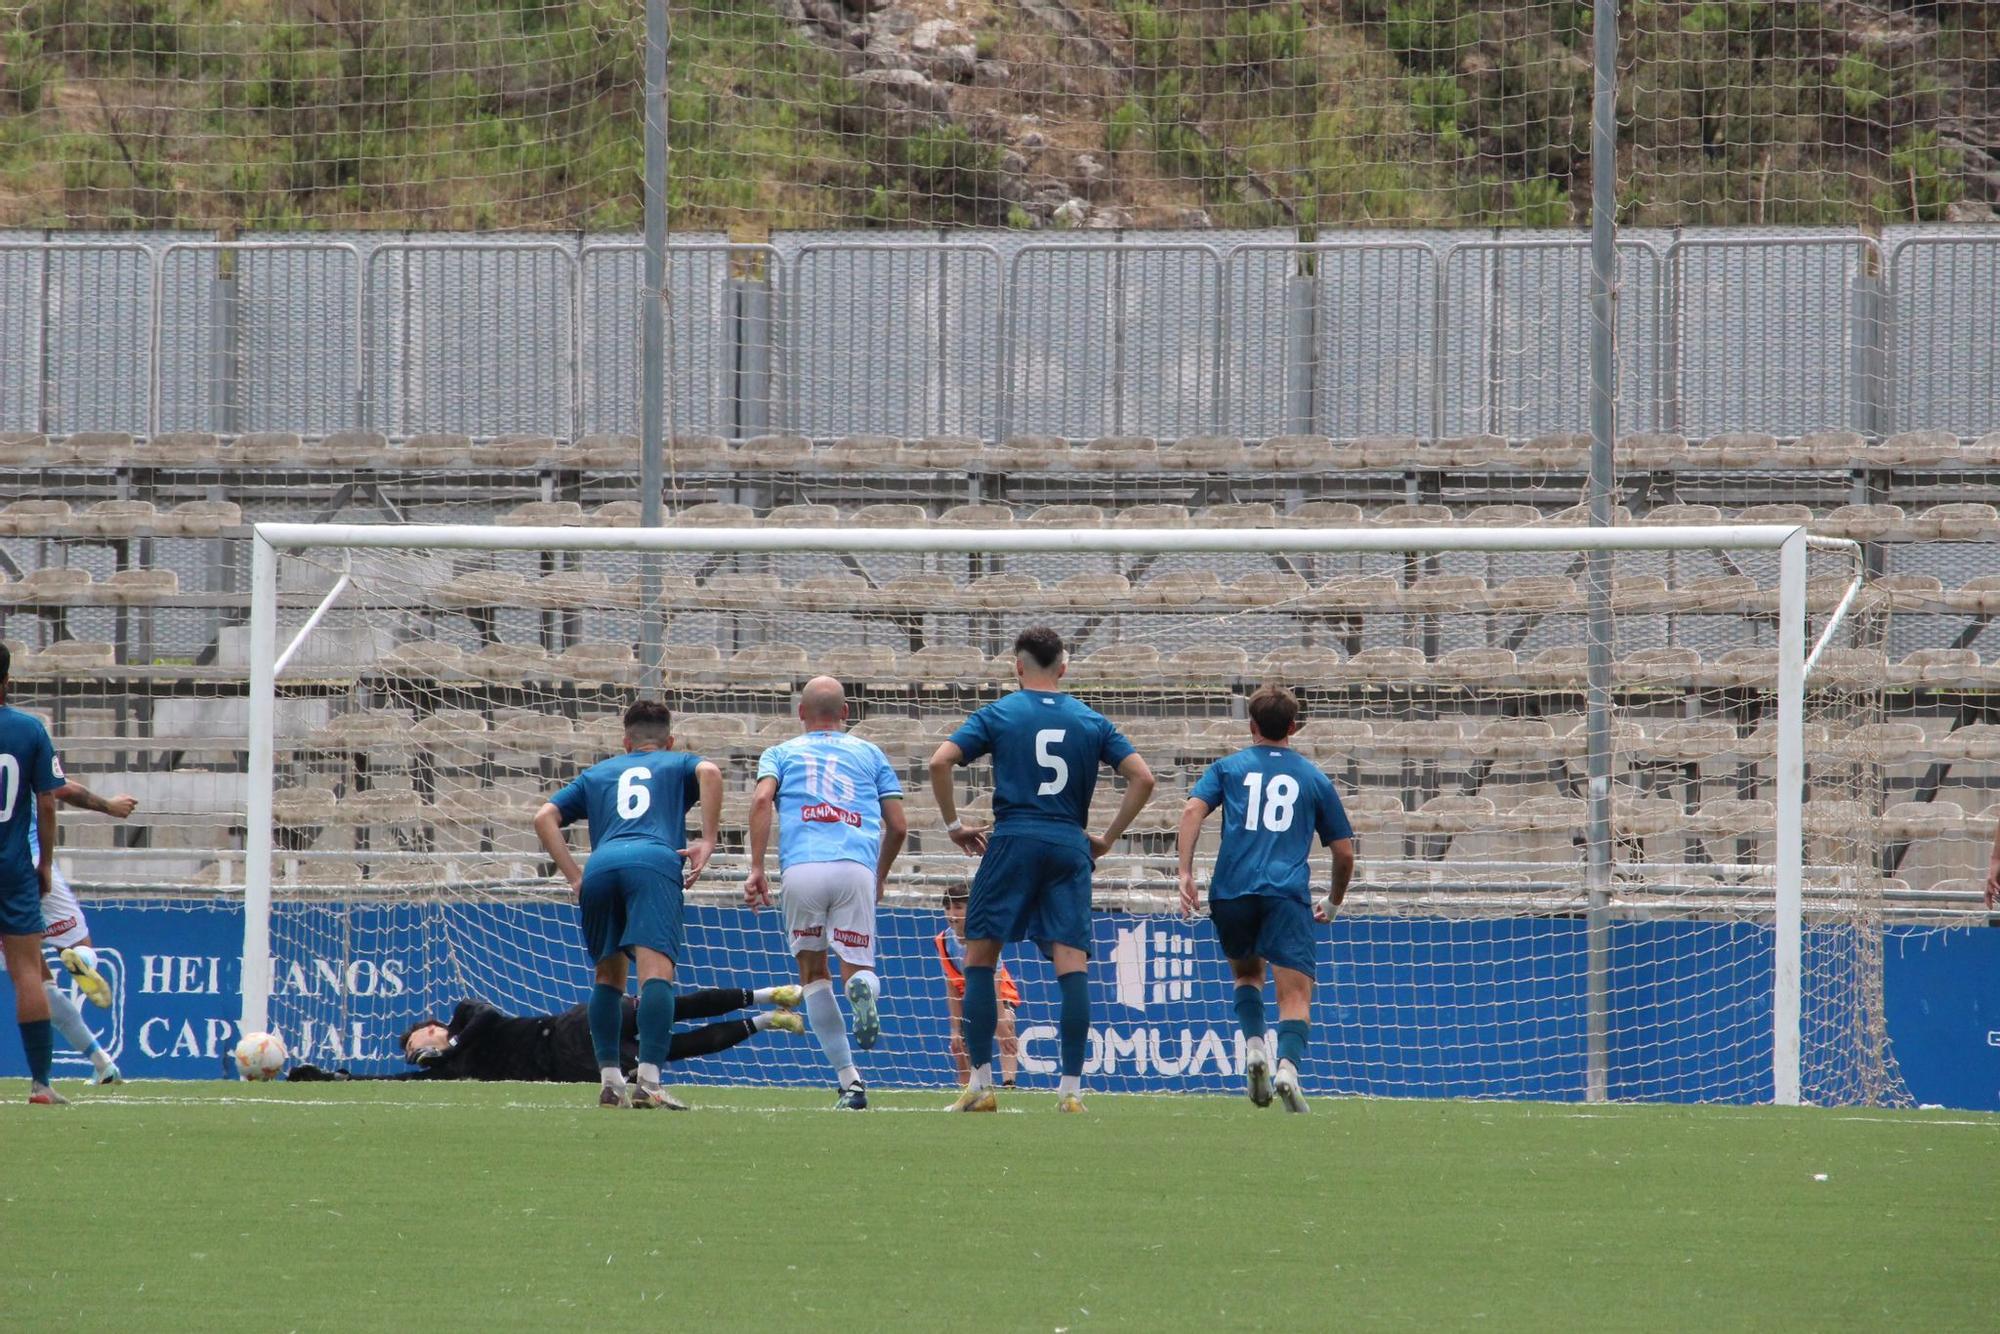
{"x":1974,"y":743}
{"x":1293,"y":454}
{"x":1578,"y":516}
{"x":1421,"y":739}
{"x":1657,"y":666}
{"x":1908,"y":821}
{"x":1782,"y":513}
{"x":1651,"y":452}
{"x":460,"y":728}
{"x":944,"y":453}
{"x":1905,"y":592}
{"x":834,"y":588}
{"x":1556,"y":453}
{"x":1301,"y":666}
{"x":1549,"y":814}
{"x":1465,"y":451}
{"x":1445,"y":592}
{"x":1067,"y":516}
{"x":346,"y":449}
{"x":1979,"y":596}
{"x":617,"y":453}
{"x":364,"y":728}
{"x":686,"y":660}
{"x":1535,"y":592}
{"x":769,"y":664}
{"x":54,"y":583}
{"x":775,"y":453}
{"x":1256,"y":514}
{"x":1380,"y":451}
{"x":1150,"y":516}
{"x":1453,"y":813}
{"x":1209,"y":664}
{"x":1647,"y":817}
{"x":1388,"y":664}
{"x":714,"y":514}
{"x":1715,"y":593}
{"x":802,"y":516}
{"x":920,"y":592}
{"x":34,"y":518}
{"x":1265,"y":588}
{"x":1205,"y":453}
{"x":1513,"y":740}
{"x":509,"y":664}
{"x":1503,"y":516}
{"x":568,"y":589}
{"x":1915,"y":449}
{"x":1689,"y":742}
{"x":1733,"y":816}
{"x":1085,"y":591}
{"x":423,"y":659}
{"x":1853,"y":665}
{"x":1002,"y":591}
{"x":1117,"y":453}
{"x":1559,"y":668}
{"x":99,"y":449}
{"x":1937,"y":667}
{"x":1690,"y":516}
{"x":675,"y":590}
{"x":889,"y":516}
{"x":687,"y":453}
{"x":615,"y":514}
{"x":513,"y":451}
{"x":295,"y":807}
{"x":863,"y":453}
{"x":858,"y":663}
{"x":1375,"y":812}
{"x":180,"y":449}
{"x":1325,"y":514}
{"x":200,"y":518}
{"x":945,"y":664}
{"x":599,"y":661}
{"x":1475,"y":666}
{"x":1963,"y":521}
{"x":1119,"y":662}
{"x":280,"y":449}
{"x":1412,"y":516}
{"x":138,"y":587}
{"x":1364,"y":593}
{"x":532,"y":731}
{"x":24,"y":449}
{"x":1179,"y":588}
{"x":740,"y":590}
{"x":977,"y":516}
{"x":1983,"y":452}
{"x":1738,"y":449}
{"x":1863,"y":523}
{"x":543,"y":514}
{"x":483,"y":588}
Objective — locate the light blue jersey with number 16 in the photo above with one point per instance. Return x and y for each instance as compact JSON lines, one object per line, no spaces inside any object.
{"x":830,"y":792}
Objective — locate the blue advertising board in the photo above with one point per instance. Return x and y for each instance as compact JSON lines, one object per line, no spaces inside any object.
{"x":1414,"y":1007}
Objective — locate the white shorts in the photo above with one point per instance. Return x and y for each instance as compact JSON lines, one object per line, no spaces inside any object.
{"x":65,"y":920}
{"x":831,"y":906}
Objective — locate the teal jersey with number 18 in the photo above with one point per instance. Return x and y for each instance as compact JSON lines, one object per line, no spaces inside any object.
{"x":636,"y":803}
{"x":1273,"y":802}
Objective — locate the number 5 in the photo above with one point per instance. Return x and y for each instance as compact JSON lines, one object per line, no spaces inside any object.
{"x":1057,"y":766}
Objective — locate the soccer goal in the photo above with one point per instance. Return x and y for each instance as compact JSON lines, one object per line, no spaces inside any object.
{"x":1613,"y":788}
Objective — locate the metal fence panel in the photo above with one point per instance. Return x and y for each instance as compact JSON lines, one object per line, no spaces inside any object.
{"x":892,"y":339}
{"x":81,"y":353}
{"x":1945,"y":338}
{"x":476,"y":337}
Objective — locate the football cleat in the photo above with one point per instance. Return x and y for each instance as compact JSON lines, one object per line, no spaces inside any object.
{"x":615,"y":1095}
{"x":41,"y":1095}
{"x":109,"y":1074}
{"x":652,"y":1096}
{"x":787,"y":1022}
{"x":853,"y":1098}
{"x":1287,"y":1086}
{"x":83,"y":967}
{"x":788,"y":997}
{"x":1070,"y":1102}
{"x":1257,"y":1072}
{"x":972,"y":1099}
{"x":867,"y":1019}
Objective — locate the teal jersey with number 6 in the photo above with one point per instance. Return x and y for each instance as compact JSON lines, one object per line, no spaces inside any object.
{"x":1046,"y":747}
{"x":636,"y":803}
{"x":1273,"y":802}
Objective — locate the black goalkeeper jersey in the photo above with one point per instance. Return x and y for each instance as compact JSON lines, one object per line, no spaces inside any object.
{"x":488,"y":1044}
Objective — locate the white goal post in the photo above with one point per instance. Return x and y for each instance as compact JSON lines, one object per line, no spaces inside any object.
{"x":379,"y":573}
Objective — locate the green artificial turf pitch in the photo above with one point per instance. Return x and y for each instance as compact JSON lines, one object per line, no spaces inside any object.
{"x":515,"y":1206}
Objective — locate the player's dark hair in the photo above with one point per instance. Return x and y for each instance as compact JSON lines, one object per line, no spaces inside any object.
{"x":1040,"y":645}
{"x":649,"y":719}
{"x":6,"y":662}
{"x":403,"y":1042}
{"x":1273,"y":710}
{"x":959,"y":895}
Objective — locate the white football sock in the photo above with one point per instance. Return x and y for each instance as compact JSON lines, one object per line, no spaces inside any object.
{"x":823,"y":1013}
{"x":763,"y":995}
{"x":761,"y":1021}
{"x":612,"y":1075}
{"x":866,"y":977}
{"x":1071,"y":1084}
{"x":648,"y":1073}
{"x":982,"y":1076}
{"x":69,"y":1022}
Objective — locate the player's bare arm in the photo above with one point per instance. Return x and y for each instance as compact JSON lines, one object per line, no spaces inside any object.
{"x":1343,"y":873}
{"x":548,"y":828}
{"x":708,"y":778}
{"x":895,"y":829}
{"x":1993,"y":871}
{"x":1138,"y":776}
{"x":45,"y":869}
{"x":76,"y":794}
{"x":763,"y":809}
{"x":970,"y":839}
{"x":1189,"y":833}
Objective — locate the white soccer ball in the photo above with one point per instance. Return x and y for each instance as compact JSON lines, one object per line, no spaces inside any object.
{"x":260,"y":1056}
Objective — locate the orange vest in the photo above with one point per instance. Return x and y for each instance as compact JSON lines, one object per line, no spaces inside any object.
{"x":1010,"y":995}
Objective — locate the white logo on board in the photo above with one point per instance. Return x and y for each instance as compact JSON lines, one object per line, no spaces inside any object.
{"x":1152,"y":972}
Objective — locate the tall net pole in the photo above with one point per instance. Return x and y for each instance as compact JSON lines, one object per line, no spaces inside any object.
{"x":652,"y":338}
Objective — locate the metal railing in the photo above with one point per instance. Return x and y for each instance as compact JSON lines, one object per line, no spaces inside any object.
{"x":1406,"y":335}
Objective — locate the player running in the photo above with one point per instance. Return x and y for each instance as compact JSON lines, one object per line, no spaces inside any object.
{"x":1273,"y":802}
{"x":630,"y":897}
{"x":1033,"y":881}
{"x":67,"y":931}
{"x":30,"y":773}
{"x":482,"y":1043}
{"x":839,"y":807}
{"x":950,"y":944}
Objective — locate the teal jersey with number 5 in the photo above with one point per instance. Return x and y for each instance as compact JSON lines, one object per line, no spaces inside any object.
{"x":1046,"y":747}
{"x":1273,"y":802}
{"x":636,"y":803}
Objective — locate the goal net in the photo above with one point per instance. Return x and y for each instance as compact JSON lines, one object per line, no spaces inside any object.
{"x":1708,"y":929}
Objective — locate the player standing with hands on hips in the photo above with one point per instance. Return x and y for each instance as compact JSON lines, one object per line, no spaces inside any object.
{"x":630,"y":897}
{"x":1033,"y":881}
{"x":30,"y":773}
{"x":1273,"y":802}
